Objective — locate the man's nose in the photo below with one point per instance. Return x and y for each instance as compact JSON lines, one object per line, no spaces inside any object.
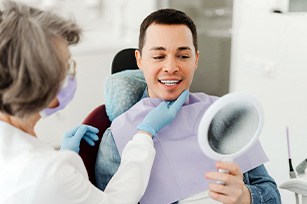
{"x":171,"y":66}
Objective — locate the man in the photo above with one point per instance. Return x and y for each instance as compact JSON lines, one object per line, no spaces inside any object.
{"x":168,"y":57}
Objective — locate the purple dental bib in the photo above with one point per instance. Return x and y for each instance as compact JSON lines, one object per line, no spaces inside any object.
{"x":179,"y":166}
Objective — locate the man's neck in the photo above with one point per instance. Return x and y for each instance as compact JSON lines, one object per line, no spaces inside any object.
{"x":145,"y":93}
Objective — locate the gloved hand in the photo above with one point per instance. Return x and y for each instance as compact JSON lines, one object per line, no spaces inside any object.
{"x":72,"y":139}
{"x":162,"y":115}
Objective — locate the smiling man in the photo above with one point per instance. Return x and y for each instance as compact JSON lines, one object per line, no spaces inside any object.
{"x":168,"y":66}
{"x":168,"y":57}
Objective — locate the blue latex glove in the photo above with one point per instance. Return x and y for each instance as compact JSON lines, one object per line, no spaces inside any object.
{"x":72,"y":139}
{"x":162,"y":115}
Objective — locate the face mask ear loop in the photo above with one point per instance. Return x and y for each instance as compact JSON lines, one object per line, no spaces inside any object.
{"x":64,"y":96}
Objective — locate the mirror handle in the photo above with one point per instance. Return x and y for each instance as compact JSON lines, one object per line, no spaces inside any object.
{"x":222,"y":171}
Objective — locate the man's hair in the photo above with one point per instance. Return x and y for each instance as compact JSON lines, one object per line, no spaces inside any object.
{"x":167,"y":17}
{"x":31,"y":70}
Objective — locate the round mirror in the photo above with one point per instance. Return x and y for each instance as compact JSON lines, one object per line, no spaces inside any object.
{"x":230,"y":126}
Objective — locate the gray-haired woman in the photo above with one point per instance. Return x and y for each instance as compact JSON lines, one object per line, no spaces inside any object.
{"x":34,"y":66}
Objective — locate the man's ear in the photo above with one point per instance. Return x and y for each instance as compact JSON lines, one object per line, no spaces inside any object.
{"x":196,"y":59}
{"x":138,"y":58}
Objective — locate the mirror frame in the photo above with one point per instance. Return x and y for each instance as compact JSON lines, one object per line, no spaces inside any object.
{"x":211,"y":112}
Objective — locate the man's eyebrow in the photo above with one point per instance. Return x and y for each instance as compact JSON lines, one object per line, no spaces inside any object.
{"x":163,"y":48}
{"x":184,"y":48}
{"x":157,"y":48}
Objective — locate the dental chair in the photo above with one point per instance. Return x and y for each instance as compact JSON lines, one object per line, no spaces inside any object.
{"x":123,"y":60}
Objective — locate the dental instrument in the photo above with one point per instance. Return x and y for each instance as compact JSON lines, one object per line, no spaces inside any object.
{"x":300,"y":169}
{"x":291,"y":170}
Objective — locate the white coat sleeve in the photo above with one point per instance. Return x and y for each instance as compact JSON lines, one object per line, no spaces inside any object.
{"x":130,"y":181}
{"x":65,"y":182}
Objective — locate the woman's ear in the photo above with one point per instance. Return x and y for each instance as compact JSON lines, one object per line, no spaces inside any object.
{"x":138,"y":58}
{"x":54,"y":103}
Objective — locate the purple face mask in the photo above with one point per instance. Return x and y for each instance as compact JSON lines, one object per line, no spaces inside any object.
{"x":64,"y":96}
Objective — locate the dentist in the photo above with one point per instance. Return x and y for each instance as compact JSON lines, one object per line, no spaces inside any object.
{"x":37,"y":79}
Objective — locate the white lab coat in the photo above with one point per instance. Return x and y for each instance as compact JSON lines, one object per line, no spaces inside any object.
{"x":32,"y":172}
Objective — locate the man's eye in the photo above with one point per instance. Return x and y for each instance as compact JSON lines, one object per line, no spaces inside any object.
{"x":183,"y":56}
{"x":158,"y":57}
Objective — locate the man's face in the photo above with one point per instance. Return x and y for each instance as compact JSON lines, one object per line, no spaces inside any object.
{"x":168,"y":60}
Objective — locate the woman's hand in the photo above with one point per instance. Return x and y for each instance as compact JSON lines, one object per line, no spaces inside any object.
{"x":162,"y":115}
{"x":72,"y":138}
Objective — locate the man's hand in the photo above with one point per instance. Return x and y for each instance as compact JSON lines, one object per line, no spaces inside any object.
{"x":71,"y":139}
{"x":233,"y":189}
{"x":162,"y":115}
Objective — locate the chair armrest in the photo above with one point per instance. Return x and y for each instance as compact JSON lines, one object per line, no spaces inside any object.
{"x":99,"y":119}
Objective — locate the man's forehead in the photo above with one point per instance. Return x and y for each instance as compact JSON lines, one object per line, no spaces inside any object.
{"x":161,"y":29}
{"x":163,"y":37}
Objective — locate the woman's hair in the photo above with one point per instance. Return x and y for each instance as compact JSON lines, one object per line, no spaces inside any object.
{"x":31,"y":69}
{"x":167,"y":17}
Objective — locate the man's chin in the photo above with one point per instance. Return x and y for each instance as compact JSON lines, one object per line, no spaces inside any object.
{"x":167,"y":95}
{"x":170,"y":97}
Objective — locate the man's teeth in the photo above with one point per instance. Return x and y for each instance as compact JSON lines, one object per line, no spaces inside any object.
{"x":169,"y":82}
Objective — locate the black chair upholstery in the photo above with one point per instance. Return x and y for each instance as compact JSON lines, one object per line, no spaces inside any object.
{"x":123,"y":60}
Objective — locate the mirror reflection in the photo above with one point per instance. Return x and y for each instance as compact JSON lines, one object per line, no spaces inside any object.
{"x":233,"y":127}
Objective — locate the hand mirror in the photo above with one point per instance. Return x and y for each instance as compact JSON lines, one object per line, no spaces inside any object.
{"x":230,"y":126}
